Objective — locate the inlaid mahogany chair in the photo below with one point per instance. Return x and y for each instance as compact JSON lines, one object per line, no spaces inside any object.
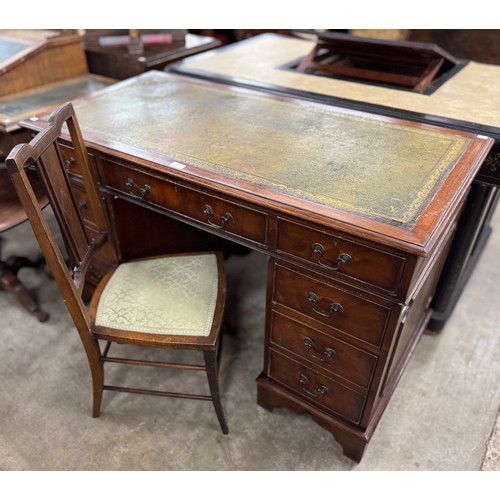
{"x":164,"y":302}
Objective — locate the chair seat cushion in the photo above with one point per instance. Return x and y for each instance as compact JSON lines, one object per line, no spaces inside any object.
{"x":173,"y":295}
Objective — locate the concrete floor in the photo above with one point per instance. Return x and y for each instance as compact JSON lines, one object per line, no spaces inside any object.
{"x":442,"y":416}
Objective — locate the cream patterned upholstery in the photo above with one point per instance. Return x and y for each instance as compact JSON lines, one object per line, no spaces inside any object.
{"x":169,"y":295}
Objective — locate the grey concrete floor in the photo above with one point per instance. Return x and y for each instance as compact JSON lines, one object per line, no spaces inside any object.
{"x":442,"y":416}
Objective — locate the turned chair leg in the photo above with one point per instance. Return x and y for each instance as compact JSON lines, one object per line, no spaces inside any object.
{"x":213,"y":382}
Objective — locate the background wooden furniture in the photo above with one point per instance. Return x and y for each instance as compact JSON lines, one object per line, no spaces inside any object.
{"x":465,"y":97}
{"x":413,"y":66}
{"x":351,"y":274}
{"x":31,"y":58}
{"x":168,"y":302}
{"x":109,"y":52}
{"x":473,"y":45}
{"x":39,"y":69}
{"x":11,"y":214}
{"x":226,"y":36}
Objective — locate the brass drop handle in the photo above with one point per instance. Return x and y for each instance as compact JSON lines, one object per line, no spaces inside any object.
{"x":95,"y":272}
{"x":70,"y":162}
{"x":313,"y":393}
{"x":343,"y":258}
{"x":334,"y":308}
{"x":327,"y":353}
{"x":143,"y":191}
{"x":208,"y":211}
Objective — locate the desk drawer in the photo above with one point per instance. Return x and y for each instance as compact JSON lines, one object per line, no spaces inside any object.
{"x":336,"y":307}
{"x":335,"y":254}
{"x":227,"y":216}
{"x":138,"y":184}
{"x":223,"y":215}
{"x":82,"y":201}
{"x":490,"y":169}
{"x":68,"y":156}
{"x":323,"y":350}
{"x":316,"y":388}
{"x":100,"y":265}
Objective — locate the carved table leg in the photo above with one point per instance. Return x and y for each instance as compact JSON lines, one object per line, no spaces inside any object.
{"x":10,"y":283}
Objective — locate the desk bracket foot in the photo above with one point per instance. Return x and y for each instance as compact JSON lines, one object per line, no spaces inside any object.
{"x":271,"y":395}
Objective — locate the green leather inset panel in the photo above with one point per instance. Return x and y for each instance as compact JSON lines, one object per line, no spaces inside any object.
{"x":351,"y":162}
{"x":53,"y":95}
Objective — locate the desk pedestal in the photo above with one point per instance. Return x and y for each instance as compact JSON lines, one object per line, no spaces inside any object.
{"x":337,"y":352}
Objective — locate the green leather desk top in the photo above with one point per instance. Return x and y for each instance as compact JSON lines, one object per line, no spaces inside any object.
{"x":16,"y":107}
{"x":353,"y":162}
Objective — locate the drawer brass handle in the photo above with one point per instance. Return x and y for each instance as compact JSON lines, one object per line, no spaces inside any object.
{"x":143,"y":191}
{"x":207,"y":210}
{"x":313,"y":393}
{"x":343,"y":258}
{"x":95,"y":273}
{"x":334,"y":308}
{"x":70,"y":162}
{"x":327,"y":353}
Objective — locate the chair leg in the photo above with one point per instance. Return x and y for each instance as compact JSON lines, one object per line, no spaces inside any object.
{"x":213,"y":382}
{"x":97,"y":388}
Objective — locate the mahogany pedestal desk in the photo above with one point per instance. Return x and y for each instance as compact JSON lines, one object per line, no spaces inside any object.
{"x":381,"y":77}
{"x":355,"y":211}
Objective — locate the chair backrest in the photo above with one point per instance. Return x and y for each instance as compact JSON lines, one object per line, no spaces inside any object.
{"x":44,"y":154}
